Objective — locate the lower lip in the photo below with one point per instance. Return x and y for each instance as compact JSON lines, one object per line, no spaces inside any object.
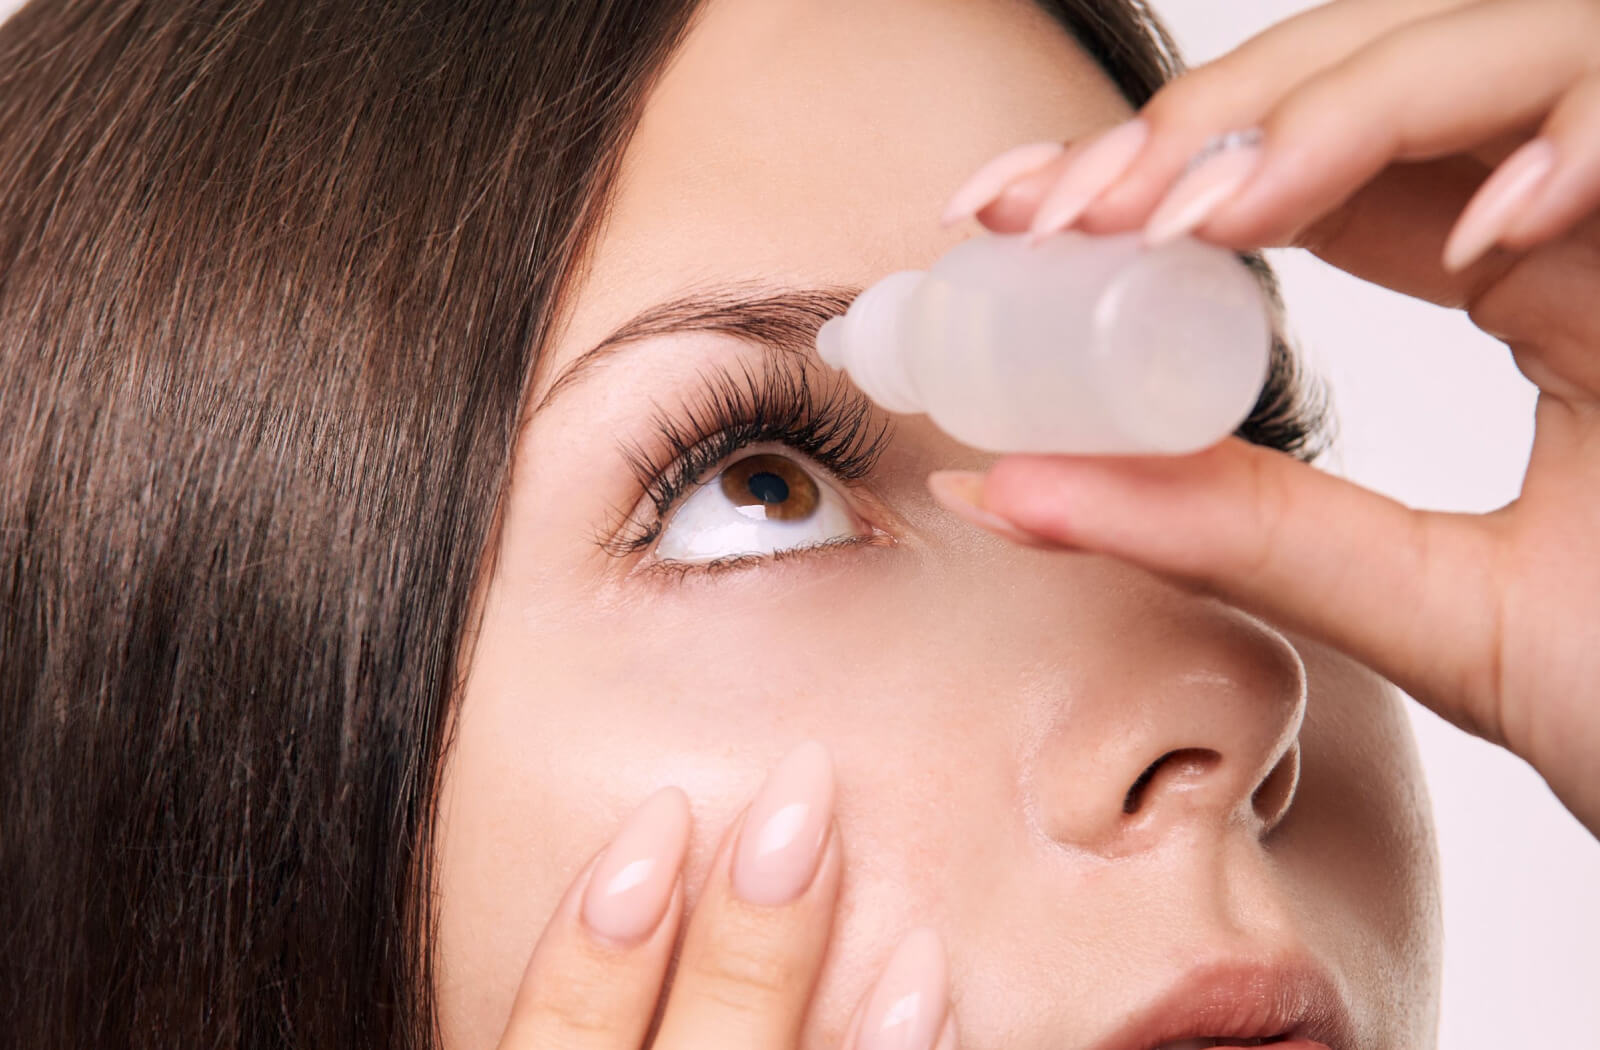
{"x":1292,"y":1044}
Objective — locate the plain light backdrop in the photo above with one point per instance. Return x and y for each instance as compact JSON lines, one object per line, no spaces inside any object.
{"x":1432,"y":412}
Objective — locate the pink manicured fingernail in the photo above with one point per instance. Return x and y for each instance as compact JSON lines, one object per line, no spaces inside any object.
{"x":907,"y":1008}
{"x":1498,"y":201}
{"x":1200,"y":190}
{"x":1101,"y":163}
{"x":628,"y":892}
{"x":781,"y":841}
{"x":947,"y":1034}
{"x":985,"y":184}
{"x":961,"y":493}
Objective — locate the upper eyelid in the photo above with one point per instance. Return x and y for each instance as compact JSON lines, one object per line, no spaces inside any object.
{"x":779,"y":319}
{"x":839,"y":430}
{"x":724,"y":396}
{"x":807,"y":462}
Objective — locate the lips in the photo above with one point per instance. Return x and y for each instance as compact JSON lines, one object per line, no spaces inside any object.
{"x":1287,"y":1005}
{"x":1225,"y":1044}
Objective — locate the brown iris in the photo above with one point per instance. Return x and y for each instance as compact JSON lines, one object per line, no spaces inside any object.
{"x":771,"y":488}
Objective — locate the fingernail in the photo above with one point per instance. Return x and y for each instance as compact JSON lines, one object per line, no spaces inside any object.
{"x":628,"y":893}
{"x":961,"y":493}
{"x":907,"y":1007}
{"x":947,"y":1034}
{"x":1497,"y":202}
{"x":1218,"y":171}
{"x":985,"y":184}
{"x":785,"y":828}
{"x":1101,"y":163}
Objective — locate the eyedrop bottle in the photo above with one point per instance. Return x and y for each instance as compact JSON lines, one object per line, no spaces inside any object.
{"x":1077,"y":344}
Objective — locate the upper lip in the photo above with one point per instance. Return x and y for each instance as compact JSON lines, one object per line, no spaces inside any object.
{"x":1293,"y":999}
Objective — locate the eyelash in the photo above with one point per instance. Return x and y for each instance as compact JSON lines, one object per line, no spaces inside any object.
{"x":782,"y":403}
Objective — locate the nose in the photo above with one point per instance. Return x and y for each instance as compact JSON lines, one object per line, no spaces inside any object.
{"x":1199,"y":733}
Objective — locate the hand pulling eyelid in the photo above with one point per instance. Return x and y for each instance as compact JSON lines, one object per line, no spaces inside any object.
{"x":1077,"y":344}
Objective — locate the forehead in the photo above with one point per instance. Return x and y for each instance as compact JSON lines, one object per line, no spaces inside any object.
{"x":815,"y":141}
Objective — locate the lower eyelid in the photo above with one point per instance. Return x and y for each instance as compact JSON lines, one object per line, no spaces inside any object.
{"x":680,"y":571}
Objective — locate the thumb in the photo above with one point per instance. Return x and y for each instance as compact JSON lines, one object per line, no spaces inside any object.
{"x":1411,"y":594}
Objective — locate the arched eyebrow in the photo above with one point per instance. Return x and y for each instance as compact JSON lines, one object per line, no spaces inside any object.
{"x":782,"y":318}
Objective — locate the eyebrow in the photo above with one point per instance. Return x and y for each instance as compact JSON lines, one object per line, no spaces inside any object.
{"x":782,"y":318}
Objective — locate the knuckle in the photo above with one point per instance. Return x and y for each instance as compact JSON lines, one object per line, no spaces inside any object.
{"x":747,"y":969}
{"x":1197,"y":99}
{"x":1270,"y":501}
{"x":575,"y":1003}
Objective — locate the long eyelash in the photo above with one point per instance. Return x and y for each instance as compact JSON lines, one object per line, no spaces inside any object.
{"x":783,"y":403}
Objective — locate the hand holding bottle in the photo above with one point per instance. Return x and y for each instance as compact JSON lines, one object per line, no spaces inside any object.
{"x":1363,"y":134}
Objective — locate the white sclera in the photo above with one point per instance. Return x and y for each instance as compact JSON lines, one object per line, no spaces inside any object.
{"x":1079,"y":344}
{"x":707,"y":526}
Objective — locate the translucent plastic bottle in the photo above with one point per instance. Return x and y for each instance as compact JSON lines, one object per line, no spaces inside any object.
{"x":1081,"y":344}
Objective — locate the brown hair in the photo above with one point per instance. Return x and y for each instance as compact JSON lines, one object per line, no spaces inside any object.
{"x":273,"y":274}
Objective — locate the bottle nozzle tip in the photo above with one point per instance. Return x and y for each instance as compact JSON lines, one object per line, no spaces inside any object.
{"x":830,"y":342}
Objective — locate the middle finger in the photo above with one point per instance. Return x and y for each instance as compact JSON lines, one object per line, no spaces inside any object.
{"x":756,"y":940}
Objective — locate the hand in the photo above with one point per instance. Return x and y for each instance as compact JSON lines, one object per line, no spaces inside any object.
{"x":1378,"y":121}
{"x":753,"y":947}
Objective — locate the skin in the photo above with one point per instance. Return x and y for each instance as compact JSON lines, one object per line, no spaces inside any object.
{"x":1382,"y":154}
{"x":987,"y":705}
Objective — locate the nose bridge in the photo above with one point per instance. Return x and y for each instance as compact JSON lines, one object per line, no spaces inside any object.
{"x":1193,"y":724}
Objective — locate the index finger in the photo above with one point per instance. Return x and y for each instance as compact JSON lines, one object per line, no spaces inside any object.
{"x":595,"y":976}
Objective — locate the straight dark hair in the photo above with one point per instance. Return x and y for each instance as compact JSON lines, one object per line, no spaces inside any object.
{"x":273,"y":276}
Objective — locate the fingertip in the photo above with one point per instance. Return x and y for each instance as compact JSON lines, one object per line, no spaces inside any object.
{"x":995,"y":176}
{"x":1013,"y":209}
{"x":630,"y":883}
{"x":961,"y":492}
{"x":1033,"y":494}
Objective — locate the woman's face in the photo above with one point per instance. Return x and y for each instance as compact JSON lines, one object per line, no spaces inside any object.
{"x":988,"y":706}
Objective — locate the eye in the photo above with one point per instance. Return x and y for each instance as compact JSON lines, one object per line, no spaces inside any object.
{"x":758,"y":505}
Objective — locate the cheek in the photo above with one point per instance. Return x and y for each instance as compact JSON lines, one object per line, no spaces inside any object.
{"x":929,"y":714}
{"x":555,"y":743}
{"x":1360,"y":844}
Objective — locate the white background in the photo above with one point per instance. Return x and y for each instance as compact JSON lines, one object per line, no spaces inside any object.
{"x":1432,"y":412}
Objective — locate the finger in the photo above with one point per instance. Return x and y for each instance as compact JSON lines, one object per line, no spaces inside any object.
{"x":1231,"y":91}
{"x":1411,"y":594}
{"x":1407,"y":96}
{"x":1237,"y":90}
{"x":1014,"y":205}
{"x":595,"y":975}
{"x":908,"y":1006}
{"x":984,"y":185}
{"x":1397,"y":228}
{"x":758,"y":934}
{"x":1392,"y":231}
{"x":1572,"y":190}
{"x":1547,"y":197}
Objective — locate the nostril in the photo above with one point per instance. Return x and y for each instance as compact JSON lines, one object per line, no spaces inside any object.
{"x":1273,"y":795}
{"x":1185,"y":762}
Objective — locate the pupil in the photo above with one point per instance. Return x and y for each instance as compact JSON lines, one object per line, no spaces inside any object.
{"x":768,"y":487}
